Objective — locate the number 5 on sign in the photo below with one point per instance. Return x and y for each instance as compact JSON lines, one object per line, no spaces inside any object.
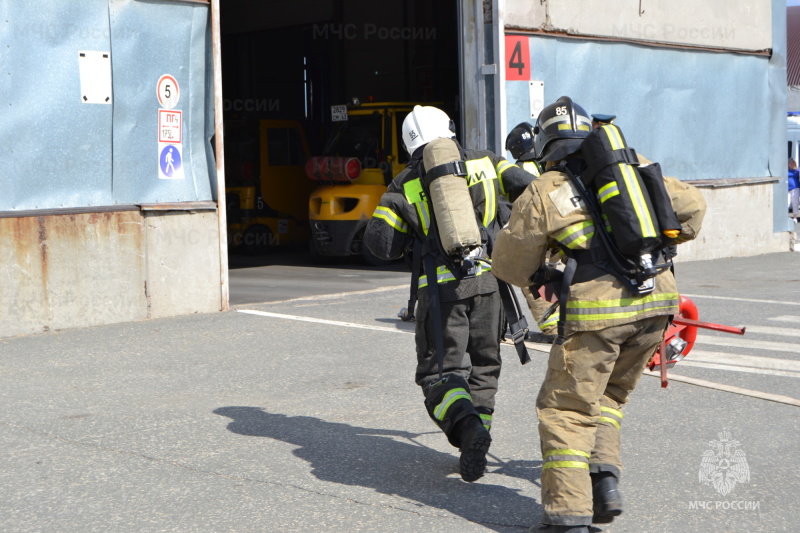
{"x":518,"y":58}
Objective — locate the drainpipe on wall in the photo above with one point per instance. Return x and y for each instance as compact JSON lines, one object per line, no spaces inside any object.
{"x":498,"y":32}
{"x":222,"y":219}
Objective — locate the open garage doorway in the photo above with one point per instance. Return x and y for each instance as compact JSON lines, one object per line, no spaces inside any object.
{"x":287,"y":68}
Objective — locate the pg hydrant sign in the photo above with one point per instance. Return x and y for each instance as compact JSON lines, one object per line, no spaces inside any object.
{"x":170,"y":130}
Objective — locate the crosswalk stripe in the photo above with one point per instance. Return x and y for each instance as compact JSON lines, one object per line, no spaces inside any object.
{"x":732,"y":368}
{"x":794,"y":319}
{"x":750,"y":300}
{"x":747,"y":343}
{"x":772,"y":330}
{"x":755,"y":361}
{"x":729,"y":388}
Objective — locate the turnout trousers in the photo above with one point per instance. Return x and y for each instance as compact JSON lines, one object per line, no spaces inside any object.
{"x":472,"y":329}
{"x":588,"y":380}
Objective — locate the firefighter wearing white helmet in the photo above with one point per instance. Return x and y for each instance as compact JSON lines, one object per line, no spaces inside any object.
{"x":608,"y":332}
{"x":424,"y":124}
{"x":459,"y":313}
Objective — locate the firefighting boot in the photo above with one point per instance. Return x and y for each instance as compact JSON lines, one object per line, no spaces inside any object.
{"x":548,"y":528}
{"x":475,"y":441}
{"x":606,"y":497}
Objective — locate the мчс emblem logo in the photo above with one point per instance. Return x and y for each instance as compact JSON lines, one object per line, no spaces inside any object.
{"x":724,"y":465}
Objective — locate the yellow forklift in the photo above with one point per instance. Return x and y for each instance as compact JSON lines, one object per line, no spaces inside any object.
{"x":362,"y":156}
{"x":267,"y":190}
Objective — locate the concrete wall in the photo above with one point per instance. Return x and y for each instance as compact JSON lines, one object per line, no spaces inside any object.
{"x":738,"y":223}
{"x":727,"y":24}
{"x":62,"y":271}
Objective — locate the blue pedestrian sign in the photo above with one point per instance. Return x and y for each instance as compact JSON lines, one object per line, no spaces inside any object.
{"x":170,"y":165}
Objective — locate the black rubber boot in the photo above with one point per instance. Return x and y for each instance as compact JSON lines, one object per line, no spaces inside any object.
{"x":606,"y":497}
{"x":475,"y":441}
{"x":549,"y":528}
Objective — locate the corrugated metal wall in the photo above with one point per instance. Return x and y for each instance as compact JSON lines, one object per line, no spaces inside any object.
{"x":701,"y":90}
{"x":680,"y":107}
{"x":97,"y":225}
{"x":62,"y":149}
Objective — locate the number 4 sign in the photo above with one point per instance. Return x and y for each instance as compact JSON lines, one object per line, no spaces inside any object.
{"x":518,"y":58}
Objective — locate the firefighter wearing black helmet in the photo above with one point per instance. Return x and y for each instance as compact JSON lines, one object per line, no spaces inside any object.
{"x":520,"y":143}
{"x":610,"y":332}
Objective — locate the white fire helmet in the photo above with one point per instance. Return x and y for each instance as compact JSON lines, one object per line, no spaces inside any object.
{"x":424,"y":124}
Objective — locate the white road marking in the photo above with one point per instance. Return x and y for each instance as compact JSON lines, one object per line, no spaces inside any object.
{"x":323,"y":321}
{"x":716,"y":360}
{"x":778,"y":332}
{"x":749,"y":370}
{"x":750,"y":300}
{"x":728,"y":388}
{"x":794,"y":319}
{"x":747,"y":343}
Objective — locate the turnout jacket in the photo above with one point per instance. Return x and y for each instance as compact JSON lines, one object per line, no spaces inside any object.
{"x":405,"y":214}
{"x":551,"y":214}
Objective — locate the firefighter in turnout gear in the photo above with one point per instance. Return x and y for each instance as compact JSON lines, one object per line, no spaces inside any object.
{"x":459,"y":302}
{"x":520,"y":143}
{"x":610,"y":332}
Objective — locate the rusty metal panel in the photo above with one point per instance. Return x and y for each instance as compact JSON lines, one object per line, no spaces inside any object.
{"x":64,"y":150}
{"x":744,"y":25}
{"x":66,"y":271}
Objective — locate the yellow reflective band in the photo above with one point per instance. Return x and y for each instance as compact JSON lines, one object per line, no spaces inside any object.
{"x":566,"y":452}
{"x":565,"y":464}
{"x":616,"y":315}
{"x":482,"y":171}
{"x":479,"y":170}
{"x":639,"y":203}
{"x":452,"y":396}
{"x":444,"y":275}
{"x":502,"y":166}
{"x":612,"y":411}
{"x":614,"y":137}
{"x":622,"y":308}
{"x":623,"y":302}
{"x":387,"y":215}
{"x":491,"y":203}
{"x":531,"y":167}
{"x":609,"y":190}
{"x":423,"y":211}
{"x":576,"y":234}
{"x":573,"y":229}
{"x":609,"y":420}
{"x":413,"y":191}
{"x":552,"y":321}
{"x":583,"y":127}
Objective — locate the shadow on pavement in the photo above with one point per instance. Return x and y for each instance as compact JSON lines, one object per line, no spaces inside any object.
{"x":394,"y":463}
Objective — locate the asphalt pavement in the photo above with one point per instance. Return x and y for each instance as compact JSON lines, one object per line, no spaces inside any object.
{"x":296,"y":411}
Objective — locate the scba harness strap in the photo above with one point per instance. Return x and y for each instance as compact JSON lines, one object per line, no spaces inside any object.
{"x":605,"y":255}
{"x":429,"y":252}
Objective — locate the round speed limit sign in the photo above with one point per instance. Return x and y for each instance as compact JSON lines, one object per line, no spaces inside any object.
{"x":168,"y":91}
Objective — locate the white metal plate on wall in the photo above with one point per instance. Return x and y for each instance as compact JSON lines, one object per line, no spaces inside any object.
{"x":95,"y":74}
{"x":536,"y":98}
